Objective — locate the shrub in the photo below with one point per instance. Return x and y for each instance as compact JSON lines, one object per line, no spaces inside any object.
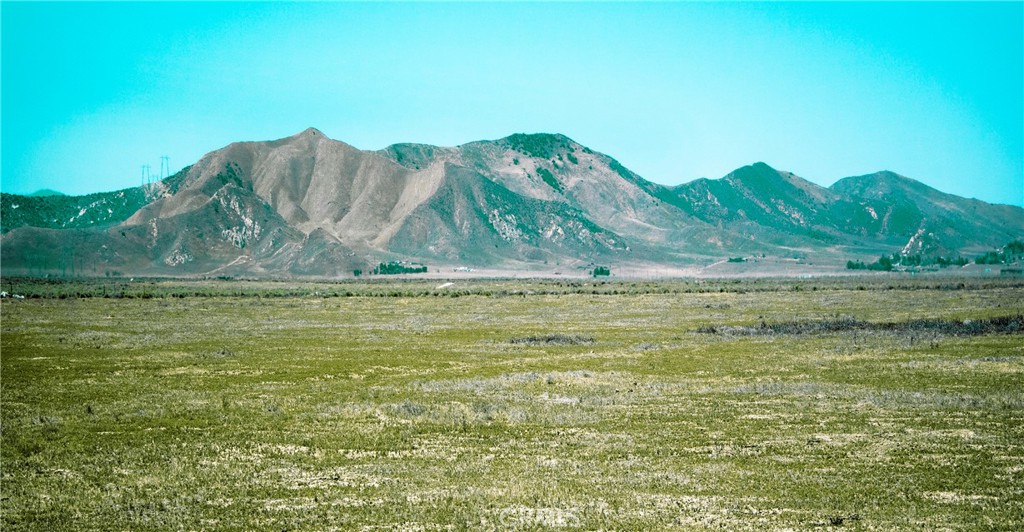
{"x":549,"y":178}
{"x":554,"y":339}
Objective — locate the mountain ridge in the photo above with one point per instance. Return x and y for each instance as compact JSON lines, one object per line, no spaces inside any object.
{"x":310,"y":205}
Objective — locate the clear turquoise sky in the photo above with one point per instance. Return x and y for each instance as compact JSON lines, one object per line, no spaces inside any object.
{"x":675,"y":91}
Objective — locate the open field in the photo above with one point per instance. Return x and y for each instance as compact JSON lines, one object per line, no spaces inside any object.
{"x":867,"y":403}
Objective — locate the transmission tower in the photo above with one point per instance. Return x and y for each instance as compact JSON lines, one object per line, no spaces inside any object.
{"x":165,"y":164}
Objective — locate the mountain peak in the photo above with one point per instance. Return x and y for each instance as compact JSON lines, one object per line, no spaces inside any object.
{"x":542,"y":145}
{"x":757,"y":172}
{"x":557,"y":137}
{"x":47,"y":192}
{"x":309,"y":132}
{"x":305,"y":134}
{"x":879,"y":184}
{"x":888,"y":175}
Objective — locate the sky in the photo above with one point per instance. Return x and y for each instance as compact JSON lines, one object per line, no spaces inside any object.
{"x":675,"y":91}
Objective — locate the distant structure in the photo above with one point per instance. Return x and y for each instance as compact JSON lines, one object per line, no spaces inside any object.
{"x":147,"y":172}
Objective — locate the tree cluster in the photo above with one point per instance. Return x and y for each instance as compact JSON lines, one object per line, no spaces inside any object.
{"x":1009,"y":253}
{"x":897,"y":260}
{"x":397,"y":267}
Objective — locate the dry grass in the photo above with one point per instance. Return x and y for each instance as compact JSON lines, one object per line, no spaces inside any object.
{"x":412,"y":413}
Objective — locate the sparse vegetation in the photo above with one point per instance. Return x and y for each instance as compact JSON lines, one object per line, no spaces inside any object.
{"x":528,"y":405}
{"x":554,"y":339}
{"x":228,"y":286}
{"x":997,"y":325}
{"x":298,"y":443}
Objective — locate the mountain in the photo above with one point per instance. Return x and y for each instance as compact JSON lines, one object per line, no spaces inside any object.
{"x":47,"y":192}
{"x":69,"y":212}
{"x":310,"y":205}
{"x":893,"y":207}
{"x":763,"y":204}
{"x":554,"y":168}
{"x":878,"y":210}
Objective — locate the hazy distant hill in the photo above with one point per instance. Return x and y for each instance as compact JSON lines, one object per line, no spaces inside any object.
{"x":309,"y":205}
{"x":47,"y":192}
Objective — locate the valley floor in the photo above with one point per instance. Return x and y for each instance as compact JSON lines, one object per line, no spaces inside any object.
{"x":743,"y":405}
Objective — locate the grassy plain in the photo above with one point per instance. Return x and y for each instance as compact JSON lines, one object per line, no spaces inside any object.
{"x":401,"y":407}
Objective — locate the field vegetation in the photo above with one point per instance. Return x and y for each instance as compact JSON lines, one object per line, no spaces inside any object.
{"x":866,"y":403}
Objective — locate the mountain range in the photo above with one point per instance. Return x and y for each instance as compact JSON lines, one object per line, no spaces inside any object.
{"x":307,"y":205}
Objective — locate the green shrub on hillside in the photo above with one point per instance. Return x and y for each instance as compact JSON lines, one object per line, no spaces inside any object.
{"x":549,"y":178}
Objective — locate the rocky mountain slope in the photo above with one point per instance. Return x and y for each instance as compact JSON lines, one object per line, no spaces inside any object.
{"x":309,"y":205}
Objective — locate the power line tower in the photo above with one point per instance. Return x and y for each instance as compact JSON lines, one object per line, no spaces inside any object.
{"x":165,"y":165}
